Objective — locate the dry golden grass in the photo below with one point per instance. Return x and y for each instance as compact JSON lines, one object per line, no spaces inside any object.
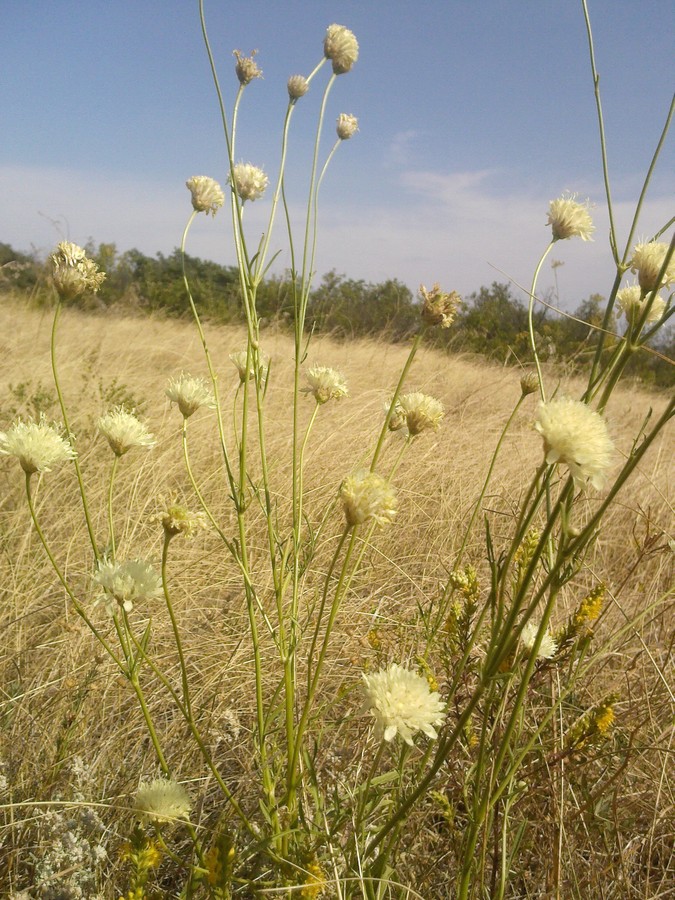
{"x":62,"y":699}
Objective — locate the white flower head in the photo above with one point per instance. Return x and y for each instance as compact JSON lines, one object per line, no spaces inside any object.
{"x":124,"y":431}
{"x":239,"y":360}
{"x":548,"y":647}
{"x":129,"y":582}
{"x":73,"y":273}
{"x":341,"y":48}
{"x":325,"y":384}
{"x":419,"y":411}
{"x":249,"y":181}
{"x":297,"y":87}
{"x":365,"y":496}
{"x":207,"y":194}
{"x":161,"y":800}
{"x":576,"y":436}
{"x":346,"y":126}
{"x":568,"y":218}
{"x":402,"y":703}
{"x":38,"y":446}
{"x":648,"y":260}
{"x":190,"y":394}
{"x":247,"y":68}
{"x":631,"y":301}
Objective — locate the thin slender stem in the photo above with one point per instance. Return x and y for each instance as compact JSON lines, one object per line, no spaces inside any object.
{"x":111,"y":521}
{"x":174,"y":625}
{"x":530,"y":318}
{"x":64,"y":414}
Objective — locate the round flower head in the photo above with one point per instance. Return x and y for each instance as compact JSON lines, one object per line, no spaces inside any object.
{"x":161,"y":800}
{"x":648,"y":260}
{"x":207,"y":194}
{"x":421,"y":412}
{"x":325,"y":384}
{"x":36,"y":445}
{"x":239,"y":359}
{"x":297,"y":86}
{"x":576,"y":436}
{"x":189,"y":393}
{"x":548,"y":647}
{"x":569,"y":219}
{"x":341,"y":48}
{"x":402,"y":703}
{"x":529,"y":383}
{"x":249,"y":181}
{"x":346,"y":126}
{"x":177,"y":519}
{"x":73,"y":273}
{"x":247,"y":68}
{"x":632,"y":302}
{"x":128,"y":582}
{"x":123,"y":431}
{"x":439,"y":308}
{"x":366,"y":496}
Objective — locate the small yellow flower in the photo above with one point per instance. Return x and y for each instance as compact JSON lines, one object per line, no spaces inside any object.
{"x":325,"y":384}
{"x":590,"y":607}
{"x":420,"y":412}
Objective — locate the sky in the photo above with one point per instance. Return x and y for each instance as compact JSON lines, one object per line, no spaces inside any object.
{"x":472,"y":117}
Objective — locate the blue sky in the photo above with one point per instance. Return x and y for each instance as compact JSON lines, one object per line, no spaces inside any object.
{"x":472,"y":115}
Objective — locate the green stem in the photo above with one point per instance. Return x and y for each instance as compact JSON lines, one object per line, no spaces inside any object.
{"x":174,"y":626}
{"x":111,"y":523}
{"x":78,"y":606}
{"x":404,"y":374}
{"x":530,"y":318}
{"x":78,"y":470}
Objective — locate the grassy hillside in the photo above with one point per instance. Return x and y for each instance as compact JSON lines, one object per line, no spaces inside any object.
{"x":70,"y":730}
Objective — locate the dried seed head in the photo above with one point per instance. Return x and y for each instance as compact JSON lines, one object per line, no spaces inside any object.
{"x":347,"y":126}
{"x":247,"y":68}
{"x":439,"y":308}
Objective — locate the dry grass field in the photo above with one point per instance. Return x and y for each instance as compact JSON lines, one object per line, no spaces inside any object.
{"x":72,"y":738}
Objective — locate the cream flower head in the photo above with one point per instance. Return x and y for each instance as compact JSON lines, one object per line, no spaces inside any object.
{"x":346,"y":126}
{"x":247,"y":68}
{"x":402,"y":703}
{"x":439,"y":308}
{"x":207,"y":194}
{"x":366,"y":495}
{"x":37,"y":445}
{"x":576,"y":436}
{"x":161,"y":800}
{"x":419,"y":412}
{"x":175,"y":519}
{"x":128,"y":582}
{"x":325,"y":384}
{"x":239,"y":360}
{"x":297,"y":86}
{"x":73,"y":273}
{"x":341,"y":48}
{"x":123,"y":431}
{"x":569,"y":219}
{"x":249,"y":181}
{"x":631,"y":301}
{"x":648,"y":259}
{"x":548,"y":647}
{"x":190,"y":394}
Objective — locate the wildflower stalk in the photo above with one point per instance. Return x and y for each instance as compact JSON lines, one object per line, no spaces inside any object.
{"x":392,"y":406}
{"x":174,"y":625}
{"x":530,"y":318}
{"x":111,"y":521}
{"x":69,"y":435}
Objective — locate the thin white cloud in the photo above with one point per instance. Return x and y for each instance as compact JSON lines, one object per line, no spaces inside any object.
{"x":456,"y":228}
